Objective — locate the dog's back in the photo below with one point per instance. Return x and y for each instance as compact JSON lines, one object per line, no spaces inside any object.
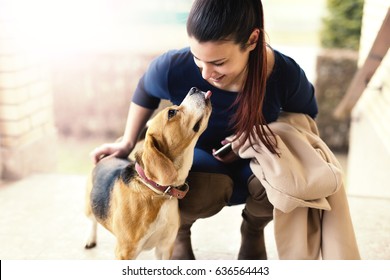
{"x":140,"y":218}
{"x":104,"y":176}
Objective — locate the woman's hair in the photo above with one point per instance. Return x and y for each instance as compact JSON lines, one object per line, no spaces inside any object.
{"x":233,"y":20}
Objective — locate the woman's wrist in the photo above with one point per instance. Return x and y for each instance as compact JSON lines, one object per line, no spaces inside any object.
{"x":127,"y":145}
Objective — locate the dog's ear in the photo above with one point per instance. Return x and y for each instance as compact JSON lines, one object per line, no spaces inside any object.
{"x":158,"y":167}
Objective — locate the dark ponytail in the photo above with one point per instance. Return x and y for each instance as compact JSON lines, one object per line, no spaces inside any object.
{"x":215,"y":20}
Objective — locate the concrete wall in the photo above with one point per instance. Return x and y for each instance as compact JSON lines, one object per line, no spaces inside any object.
{"x":373,"y":14}
{"x":335,"y":69}
{"x":369,"y":155}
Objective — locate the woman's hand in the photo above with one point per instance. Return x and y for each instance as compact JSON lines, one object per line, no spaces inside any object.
{"x":118,"y":149}
{"x":230,"y":156}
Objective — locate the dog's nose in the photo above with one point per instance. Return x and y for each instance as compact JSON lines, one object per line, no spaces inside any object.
{"x":194,"y":90}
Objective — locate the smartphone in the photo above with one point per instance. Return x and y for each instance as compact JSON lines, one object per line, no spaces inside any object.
{"x":224,"y":150}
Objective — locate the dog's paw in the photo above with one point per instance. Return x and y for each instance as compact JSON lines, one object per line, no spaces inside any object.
{"x":90,"y":245}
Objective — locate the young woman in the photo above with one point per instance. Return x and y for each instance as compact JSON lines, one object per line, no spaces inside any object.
{"x":251,"y":84}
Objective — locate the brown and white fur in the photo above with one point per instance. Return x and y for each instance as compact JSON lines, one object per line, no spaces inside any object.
{"x":141,"y":217}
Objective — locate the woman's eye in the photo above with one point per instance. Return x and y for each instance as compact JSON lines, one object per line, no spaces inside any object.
{"x":219,"y":64}
{"x":171,"y":113}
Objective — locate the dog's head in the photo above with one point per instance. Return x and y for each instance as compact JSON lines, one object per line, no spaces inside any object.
{"x":171,"y":137}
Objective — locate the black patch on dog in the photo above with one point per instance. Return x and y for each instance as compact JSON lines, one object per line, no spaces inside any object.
{"x":105,"y":174}
{"x":128,"y":173}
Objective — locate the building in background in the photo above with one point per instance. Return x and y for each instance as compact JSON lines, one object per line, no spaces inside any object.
{"x":368,"y":102}
{"x":27,"y":132}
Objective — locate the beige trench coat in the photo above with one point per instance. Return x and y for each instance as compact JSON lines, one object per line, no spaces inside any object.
{"x":305,"y":186}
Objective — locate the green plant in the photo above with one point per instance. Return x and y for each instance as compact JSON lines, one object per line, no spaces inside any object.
{"x":342,"y":25}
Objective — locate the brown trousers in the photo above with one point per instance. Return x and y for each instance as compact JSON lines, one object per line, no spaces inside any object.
{"x":209,"y":193}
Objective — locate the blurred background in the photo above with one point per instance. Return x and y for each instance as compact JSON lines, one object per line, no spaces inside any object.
{"x":71,"y":68}
{"x":68,"y":69}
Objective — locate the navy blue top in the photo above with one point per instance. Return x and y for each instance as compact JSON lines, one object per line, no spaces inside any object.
{"x":171,"y":75}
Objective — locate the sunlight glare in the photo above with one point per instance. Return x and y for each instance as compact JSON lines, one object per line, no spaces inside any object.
{"x":55,"y":27}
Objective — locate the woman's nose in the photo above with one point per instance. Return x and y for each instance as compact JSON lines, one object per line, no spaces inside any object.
{"x":207,"y":71}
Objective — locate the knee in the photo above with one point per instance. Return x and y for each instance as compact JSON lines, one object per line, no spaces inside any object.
{"x":257,"y":203}
{"x":208,"y":194}
{"x":256,"y":189}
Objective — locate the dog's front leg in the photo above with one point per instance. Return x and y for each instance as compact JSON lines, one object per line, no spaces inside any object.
{"x":164,"y":253}
{"x":125,"y":251}
{"x":92,"y":234}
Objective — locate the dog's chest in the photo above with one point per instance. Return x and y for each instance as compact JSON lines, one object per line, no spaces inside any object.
{"x":164,"y":228}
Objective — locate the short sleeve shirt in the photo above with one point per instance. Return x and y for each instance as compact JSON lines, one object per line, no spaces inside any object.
{"x":171,"y":75}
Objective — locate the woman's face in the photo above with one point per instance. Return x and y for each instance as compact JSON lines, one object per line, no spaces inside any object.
{"x":222,"y":63}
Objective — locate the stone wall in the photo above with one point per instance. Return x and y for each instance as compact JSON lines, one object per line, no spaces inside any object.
{"x":335,"y":70}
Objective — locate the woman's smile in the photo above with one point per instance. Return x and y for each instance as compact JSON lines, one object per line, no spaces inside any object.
{"x":221,"y":63}
{"x":217,"y":79}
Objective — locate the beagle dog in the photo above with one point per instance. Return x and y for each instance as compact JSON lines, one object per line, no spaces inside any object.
{"x":138,"y":201}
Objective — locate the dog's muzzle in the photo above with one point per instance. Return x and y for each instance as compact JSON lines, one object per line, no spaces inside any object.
{"x":195,"y":90}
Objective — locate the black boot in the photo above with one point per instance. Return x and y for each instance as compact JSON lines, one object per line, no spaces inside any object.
{"x":182,"y":249}
{"x":252,"y":238}
{"x":258,"y":212}
{"x":208,"y":194}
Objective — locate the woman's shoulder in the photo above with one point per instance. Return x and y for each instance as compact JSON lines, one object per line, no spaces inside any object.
{"x":169,"y":60}
{"x":285,"y":61}
{"x":176,"y":56}
{"x":284,"y":66}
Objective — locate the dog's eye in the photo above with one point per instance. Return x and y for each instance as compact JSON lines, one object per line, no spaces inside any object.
{"x":197,"y":126}
{"x":171,"y":113}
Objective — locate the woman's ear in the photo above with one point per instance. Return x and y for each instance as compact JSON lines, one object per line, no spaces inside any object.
{"x":253,"y":39}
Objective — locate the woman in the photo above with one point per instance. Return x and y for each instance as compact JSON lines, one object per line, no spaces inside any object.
{"x":251,"y":84}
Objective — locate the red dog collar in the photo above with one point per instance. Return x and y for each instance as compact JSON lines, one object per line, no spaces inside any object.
{"x":178,"y":192}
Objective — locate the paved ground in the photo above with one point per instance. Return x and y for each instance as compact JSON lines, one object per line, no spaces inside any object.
{"x":41,"y":217}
